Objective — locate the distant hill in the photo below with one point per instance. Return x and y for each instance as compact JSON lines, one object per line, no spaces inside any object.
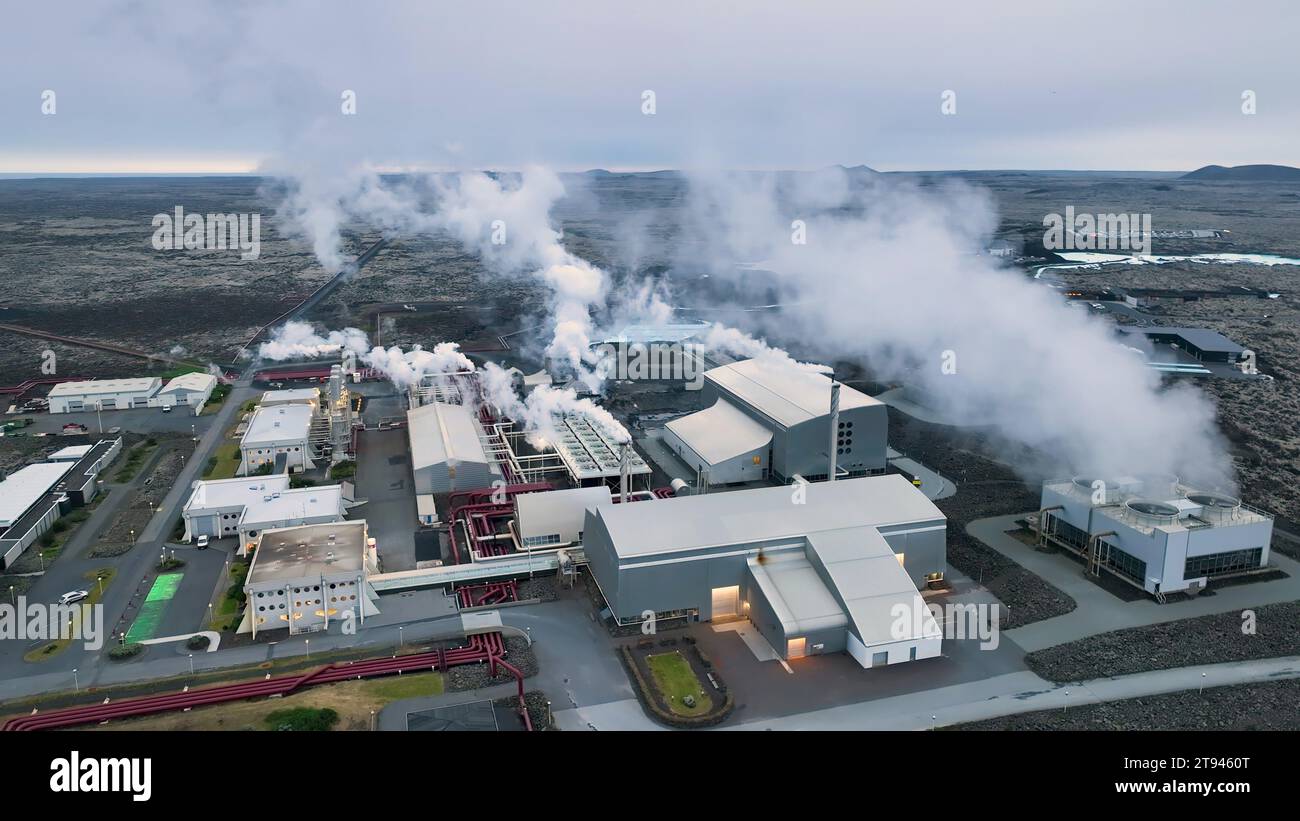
{"x":1245,"y":173}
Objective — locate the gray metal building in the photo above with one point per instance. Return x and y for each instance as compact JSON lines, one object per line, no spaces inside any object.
{"x":818,"y":568}
{"x":766,"y":419}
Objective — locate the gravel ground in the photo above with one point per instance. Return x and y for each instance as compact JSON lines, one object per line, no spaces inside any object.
{"x":474,"y":676}
{"x":542,"y":589}
{"x":1203,"y":640}
{"x":535,"y":701}
{"x":1266,"y":706}
{"x":984,"y":488}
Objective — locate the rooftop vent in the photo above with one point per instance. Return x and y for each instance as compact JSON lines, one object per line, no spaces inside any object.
{"x":1152,"y":512}
{"x":1110,"y":490}
{"x":1216,"y":507}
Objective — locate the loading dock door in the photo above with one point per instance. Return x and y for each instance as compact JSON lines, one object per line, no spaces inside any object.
{"x":795,"y":648}
{"x":726,"y":601}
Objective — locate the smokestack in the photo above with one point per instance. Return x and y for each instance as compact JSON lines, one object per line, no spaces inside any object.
{"x":835,"y":426}
{"x":624,"y":471}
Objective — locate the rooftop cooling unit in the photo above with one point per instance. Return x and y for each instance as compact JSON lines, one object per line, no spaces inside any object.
{"x":1216,"y":507}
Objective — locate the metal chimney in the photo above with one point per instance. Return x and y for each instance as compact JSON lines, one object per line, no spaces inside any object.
{"x":835,"y":426}
{"x":624,"y":471}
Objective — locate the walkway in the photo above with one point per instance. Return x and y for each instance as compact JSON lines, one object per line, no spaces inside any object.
{"x":1005,"y":695}
{"x":1099,"y":611}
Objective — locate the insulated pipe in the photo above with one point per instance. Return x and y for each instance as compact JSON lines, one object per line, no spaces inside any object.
{"x":835,"y":424}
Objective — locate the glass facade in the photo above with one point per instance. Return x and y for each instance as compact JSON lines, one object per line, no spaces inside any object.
{"x":1217,"y":564}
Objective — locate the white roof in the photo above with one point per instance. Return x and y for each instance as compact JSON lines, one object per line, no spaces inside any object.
{"x":721,"y":432}
{"x":869,"y":578}
{"x":743,"y":516}
{"x":796,"y":593}
{"x":26,"y":486}
{"x":558,"y":511}
{"x":787,"y":394}
{"x":444,"y":433}
{"x":291,"y":395}
{"x":219,"y":493}
{"x":144,"y":384}
{"x":299,"y":503}
{"x":70,"y":454}
{"x":309,"y":551}
{"x":198,"y":382}
{"x":278,"y":424}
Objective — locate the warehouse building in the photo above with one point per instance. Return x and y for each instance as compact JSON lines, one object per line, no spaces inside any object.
{"x":304,"y":578}
{"x":81,"y":484}
{"x":244,"y":507}
{"x":103,"y":394}
{"x":769,"y":420}
{"x":29,"y":506}
{"x":282,"y":431}
{"x":190,"y":389}
{"x":447,"y":450}
{"x":818,"y":568}
{"x":1154,"y":532}
{"x":34,"y":497}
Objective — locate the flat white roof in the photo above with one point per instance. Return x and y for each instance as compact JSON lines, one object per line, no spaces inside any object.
{"x":292,"y":395}
{"x":198,"y":382}
{"x":721,"y":432}
{"x":144,"y":384}
{"x":440,"y":432}
{"x":279,"y":423}
{"x":209,"y":494}
{"x":759,"y":514}
{"x":299,"y":503}
{"x":787,"y":394}
{"x":26,"y":486}
{"x":70,"y":454}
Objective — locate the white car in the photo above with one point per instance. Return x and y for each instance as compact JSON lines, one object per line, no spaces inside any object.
{"x":201,"y":543}
{"x":73,"y":596}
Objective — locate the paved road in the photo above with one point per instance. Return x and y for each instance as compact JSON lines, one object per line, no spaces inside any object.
{"x":1009,"y":694}
{"x":1099,"y":611}
{"x":127,"y":591}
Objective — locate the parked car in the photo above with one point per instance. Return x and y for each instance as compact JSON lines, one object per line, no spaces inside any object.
{"x":167,"y":408}
{"x":202,"y":543}
{"x":73,"y":596}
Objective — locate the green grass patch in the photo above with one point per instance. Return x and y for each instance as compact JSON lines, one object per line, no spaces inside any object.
{"x":412,"y":685}
{"x":676,"y":680}
{"x":134,"y":460}
{"x":302,"y":719}
{"x":224,"y":462}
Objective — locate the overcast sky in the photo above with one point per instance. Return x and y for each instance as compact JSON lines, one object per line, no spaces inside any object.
{"x":184,"y":87}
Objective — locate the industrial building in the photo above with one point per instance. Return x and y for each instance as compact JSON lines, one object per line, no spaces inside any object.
{"x":189,"y":389}
{"x":1185,"y":351}
{"x":282,"y":433}
{"x":447,"y":450}
{"x":243,"y":507}
{"x":34,"y":497}
{"x":291,"y":396}
{"x":1155,"y":532}
{"x":304,"y":578}
{"x":818,"y":568}
{"x":556,"y":517}
{"x":103,"y":394}
{"x":770,"y":420}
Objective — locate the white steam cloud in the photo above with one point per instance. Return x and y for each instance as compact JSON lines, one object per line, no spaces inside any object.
{"x":406,"y":368}
{"x":300,"y":340}
{"x":889,"y":276}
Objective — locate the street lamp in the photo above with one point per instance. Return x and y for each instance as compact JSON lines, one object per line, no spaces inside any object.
{"x":76,"y":682}
{"x":400,"y":643}
{"x":308,"y":643}
{"x":12,"y":599}
{"x":191,"y":664}
{"x":99,"y":578}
